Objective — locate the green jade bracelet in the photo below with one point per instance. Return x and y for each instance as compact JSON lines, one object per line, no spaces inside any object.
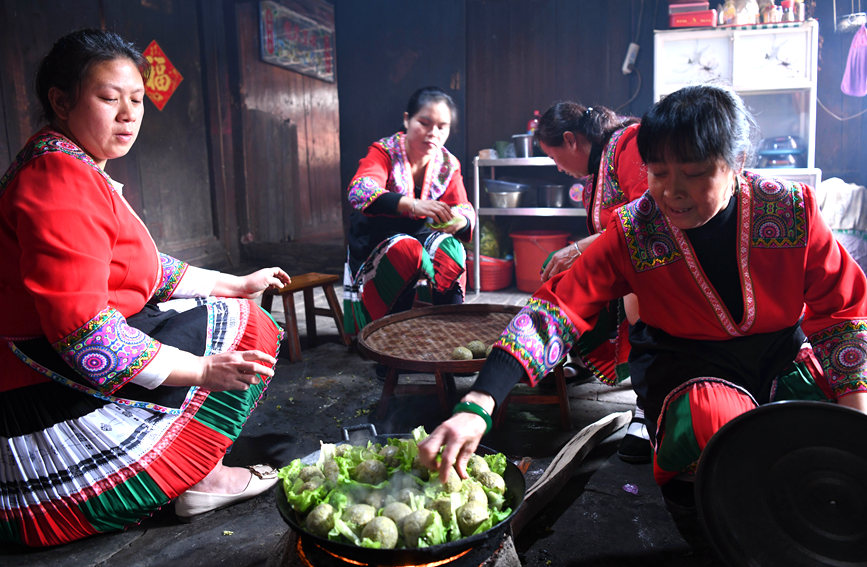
{"x":472,"y":407}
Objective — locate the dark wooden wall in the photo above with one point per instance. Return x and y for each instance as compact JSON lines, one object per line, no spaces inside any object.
{"x":522,"y":55}
{"x":511,"y":57}
{"x":386,"y":49}
{"x":292,"y":120}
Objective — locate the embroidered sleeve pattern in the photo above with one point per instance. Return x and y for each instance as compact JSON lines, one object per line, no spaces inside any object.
{"x":539,"y":336}
{"x":172,"y":272}
{"x":650,"y":242}
{"x":444,"y":165}
{"x":779,"y":213}
{"x":107,"y":351}
{"x":363,"y":191}
{"x":610,"y":194}
{"x":842,"y":350}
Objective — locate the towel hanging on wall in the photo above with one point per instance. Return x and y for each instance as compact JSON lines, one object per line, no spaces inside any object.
{"x":855,"y":76}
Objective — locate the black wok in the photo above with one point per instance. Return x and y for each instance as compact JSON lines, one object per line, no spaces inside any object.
{"x":515,"y":488}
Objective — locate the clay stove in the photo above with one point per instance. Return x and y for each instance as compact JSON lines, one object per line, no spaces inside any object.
{"x":296,"y":551}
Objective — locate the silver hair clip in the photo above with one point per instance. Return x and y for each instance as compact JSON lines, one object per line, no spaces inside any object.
{"x":588,"y":111}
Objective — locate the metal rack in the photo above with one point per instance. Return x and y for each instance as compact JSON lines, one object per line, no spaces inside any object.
{"x":846,"y":23}
{"x":518,"y":211}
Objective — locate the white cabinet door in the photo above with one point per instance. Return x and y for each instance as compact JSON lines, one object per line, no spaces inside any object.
{"x":688,"y":58}
{"x":773,"y":67}
{"x":772,"y":60}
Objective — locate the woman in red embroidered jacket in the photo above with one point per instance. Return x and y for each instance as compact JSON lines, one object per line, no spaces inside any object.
{"x":733,"y":272}
{"x":125,"y":374}
{"x":597,"y":144}
{"x":410,"y":209}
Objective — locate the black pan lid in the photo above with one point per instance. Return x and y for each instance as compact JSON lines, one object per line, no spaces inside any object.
{"x":786,"y":484}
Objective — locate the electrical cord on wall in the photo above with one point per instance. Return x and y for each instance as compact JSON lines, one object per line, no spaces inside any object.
{"x":632,"y":54}
{"x":833,"y":114}
{"x":635,"y":94}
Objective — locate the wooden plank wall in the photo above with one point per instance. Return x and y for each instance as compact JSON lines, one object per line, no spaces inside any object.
{"x":309,"y":106}
{"x":27,"y":32}
{"x":272,"y":190}
{"x":165,"y":175}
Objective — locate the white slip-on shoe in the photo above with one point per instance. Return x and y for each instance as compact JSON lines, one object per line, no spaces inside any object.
{"x":635,"y":446}
{"x":193,"y":503}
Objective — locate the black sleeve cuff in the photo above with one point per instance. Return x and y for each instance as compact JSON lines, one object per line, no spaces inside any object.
{"x":464,"y":233}
{"x":499,"y":375}
{"x":385,"y":204}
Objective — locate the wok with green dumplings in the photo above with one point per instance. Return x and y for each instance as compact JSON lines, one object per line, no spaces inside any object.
{"x":374,"y":503}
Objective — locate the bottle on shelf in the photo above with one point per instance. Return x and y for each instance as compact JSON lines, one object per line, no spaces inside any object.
{"x":788,"y":13}
{"x":768,"y":12}
{"x":749,"y":14}
{"x":729,"y":13}
{"x":533,"y":123}
{"x":799,"y":10}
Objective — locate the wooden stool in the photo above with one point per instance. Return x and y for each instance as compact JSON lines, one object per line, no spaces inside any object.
{"x":306,"y":283}
{"x":561,"y":397}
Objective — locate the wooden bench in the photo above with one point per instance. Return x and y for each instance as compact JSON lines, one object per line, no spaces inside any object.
{"x":306,"y":283}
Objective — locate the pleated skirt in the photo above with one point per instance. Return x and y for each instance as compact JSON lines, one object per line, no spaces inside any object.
{"x":74,"y":465}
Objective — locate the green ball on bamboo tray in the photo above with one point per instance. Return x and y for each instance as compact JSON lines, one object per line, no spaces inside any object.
{"x":462,"y":353}
{"x":478,"y":348}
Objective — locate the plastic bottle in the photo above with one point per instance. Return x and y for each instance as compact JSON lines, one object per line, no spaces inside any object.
{"x":799,"y":11}
{"x":533,"y":123}
{"x":768,"y":13}
{"x":750,"y":13}
{"x":729,"y":12}
{"x":788,"y":14}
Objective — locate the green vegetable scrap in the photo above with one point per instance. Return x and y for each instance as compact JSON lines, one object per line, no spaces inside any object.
{"x":489,"y":241}
{"x":379,"y":496}
{"x":442,"y":225}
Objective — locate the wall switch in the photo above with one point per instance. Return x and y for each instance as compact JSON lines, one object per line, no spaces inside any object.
{"x":629,"y":60}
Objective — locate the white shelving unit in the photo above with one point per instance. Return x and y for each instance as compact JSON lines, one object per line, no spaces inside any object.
{"x":493,"y":164}
{"x":772,"y":66}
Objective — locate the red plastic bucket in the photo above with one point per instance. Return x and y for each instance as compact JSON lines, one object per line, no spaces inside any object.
{"x":531,"y":248}
{"x":494,"y":273}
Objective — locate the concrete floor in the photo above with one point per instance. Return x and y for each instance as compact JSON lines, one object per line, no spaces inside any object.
{"x":595,"y":521}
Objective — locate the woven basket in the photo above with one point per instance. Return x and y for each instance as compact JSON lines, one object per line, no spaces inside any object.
{"x":494,"y":273}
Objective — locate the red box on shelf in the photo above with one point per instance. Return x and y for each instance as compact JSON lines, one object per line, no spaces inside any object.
{"x":682,"y":7}
{"x":702,"y":19}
